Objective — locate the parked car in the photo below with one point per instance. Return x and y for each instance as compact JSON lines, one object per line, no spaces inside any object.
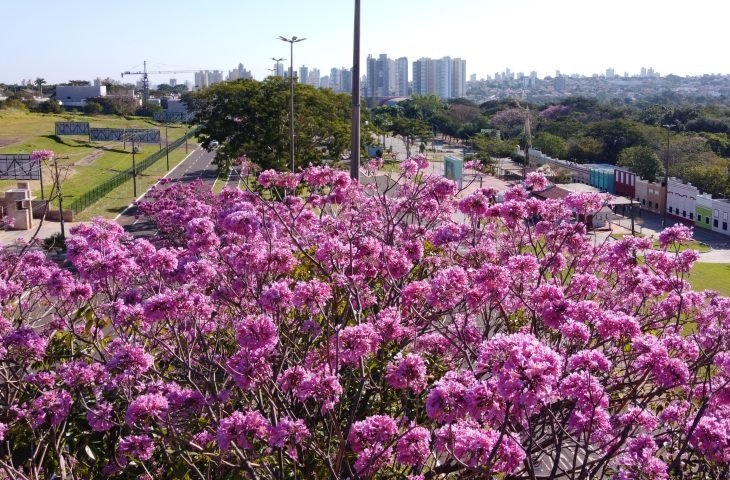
{"x":214,"y":144}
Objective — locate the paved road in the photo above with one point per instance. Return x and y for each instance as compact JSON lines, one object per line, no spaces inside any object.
{"x":198,"y":165}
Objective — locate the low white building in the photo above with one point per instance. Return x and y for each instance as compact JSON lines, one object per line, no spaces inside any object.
{"x":76,"y":95}
{"x":682,"y":200}
{"x":720,"y":215}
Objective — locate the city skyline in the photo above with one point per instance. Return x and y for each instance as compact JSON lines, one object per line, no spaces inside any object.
{"x":524,"y":35}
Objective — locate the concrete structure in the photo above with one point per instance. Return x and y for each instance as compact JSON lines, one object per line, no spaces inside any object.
{"x":77,"y":95}
{"x":17,"y":206}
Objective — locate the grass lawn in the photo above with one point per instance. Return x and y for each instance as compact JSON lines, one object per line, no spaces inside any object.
{"x":693,"y":245}
{"x":22,"y":132}
{"x":711,"y":276}
{"x":119,"y":198}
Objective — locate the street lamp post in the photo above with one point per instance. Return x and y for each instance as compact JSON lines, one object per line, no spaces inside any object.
{"x":665,"y":220}
{"x":355,"y":139}
{"x":276,"y":65}
{"x":291,"y":42}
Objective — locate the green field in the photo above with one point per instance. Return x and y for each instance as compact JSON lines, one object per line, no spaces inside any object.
{"x":119,"y":198}
{"x":22,"y":132}
{"x":711,"y":276}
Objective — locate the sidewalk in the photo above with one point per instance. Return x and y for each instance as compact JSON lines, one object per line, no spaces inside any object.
{"x":46,"y":230}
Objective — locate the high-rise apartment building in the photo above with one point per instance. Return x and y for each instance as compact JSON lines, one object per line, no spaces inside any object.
{"x":609,"y":73}
{"x":445,"y":77}
{"x":279,"y":67}
{"x":345,"y":80}
{"x":313,"y":77}
{"x":458,"y":78}
{"x":401,"y":77}
{"x":380,"y":77}
{"x":303,"y":74}
{"x":424,"y":77}
{"x":335,"y":79}
{"x":239,"y":73}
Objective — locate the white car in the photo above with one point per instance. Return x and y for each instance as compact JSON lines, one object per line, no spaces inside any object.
{"x":214,"y":144}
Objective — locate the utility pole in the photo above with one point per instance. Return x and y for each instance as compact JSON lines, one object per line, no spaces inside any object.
{"x":60,"y":197}
{"x":167,"y":149}
{"x":134,"y":169}
{"x":665,"y":219}
{"x":355,"y":139}
{"x":632,"y":217}
{"x":186,"y":138}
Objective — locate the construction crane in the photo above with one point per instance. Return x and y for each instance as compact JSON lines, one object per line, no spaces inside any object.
{"x":146,"y":80}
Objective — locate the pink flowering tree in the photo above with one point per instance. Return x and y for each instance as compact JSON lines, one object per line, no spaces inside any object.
{"x":350,"y":333}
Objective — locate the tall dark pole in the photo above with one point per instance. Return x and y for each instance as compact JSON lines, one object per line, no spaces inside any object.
{"x":60,"y":197}
{"x":187,"y":131}
{"x":134,"y":169}
{"x":167,"y":149}
{"x":291,"y":42}
{"x":355,"y":139}
{"x":665,"y":220}
{"x":291,"y":104}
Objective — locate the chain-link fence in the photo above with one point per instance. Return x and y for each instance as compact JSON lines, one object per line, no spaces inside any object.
{"x":94,"y":195}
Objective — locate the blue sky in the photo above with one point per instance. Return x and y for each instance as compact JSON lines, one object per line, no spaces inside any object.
{"x":81,"y":39}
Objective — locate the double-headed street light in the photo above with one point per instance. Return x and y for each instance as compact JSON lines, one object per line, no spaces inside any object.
{"x":291,"y":42}
{"x":276,"y":65}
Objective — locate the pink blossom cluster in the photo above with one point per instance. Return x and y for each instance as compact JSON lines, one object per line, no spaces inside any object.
{"x":345,"y":333}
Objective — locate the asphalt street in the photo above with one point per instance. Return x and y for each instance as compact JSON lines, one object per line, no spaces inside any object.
{"x":198,"y":165}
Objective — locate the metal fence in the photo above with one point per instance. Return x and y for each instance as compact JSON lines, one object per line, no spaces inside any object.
{"x":72,"y":128}
{"x":84,"y":201}
{"x":19,"y":166}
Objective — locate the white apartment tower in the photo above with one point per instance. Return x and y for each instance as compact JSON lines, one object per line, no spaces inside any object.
{"x":401,"y":77}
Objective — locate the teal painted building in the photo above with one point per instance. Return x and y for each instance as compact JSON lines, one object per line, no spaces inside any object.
{"x":602,"y":177}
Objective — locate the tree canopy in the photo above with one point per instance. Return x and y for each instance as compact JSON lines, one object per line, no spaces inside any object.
{"x":251,"y":118}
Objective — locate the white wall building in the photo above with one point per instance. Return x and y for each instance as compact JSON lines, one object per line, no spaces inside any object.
{"x":721,"y":215}
{"x":681,"y":199}
{"x":76,"y":95}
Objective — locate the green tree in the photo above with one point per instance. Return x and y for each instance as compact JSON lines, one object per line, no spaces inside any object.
{"x":51,"y":106}
{"x":551,"y":145}
{"x":39,"y":83}
{"x":488,"y":148}
{"x":643,"y":161}
{"x":584,"y":149}
{"x":410,"y":130}
{"x":92,"y":108}
{"x":615,"y":136}
{"x":251,"y":117}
